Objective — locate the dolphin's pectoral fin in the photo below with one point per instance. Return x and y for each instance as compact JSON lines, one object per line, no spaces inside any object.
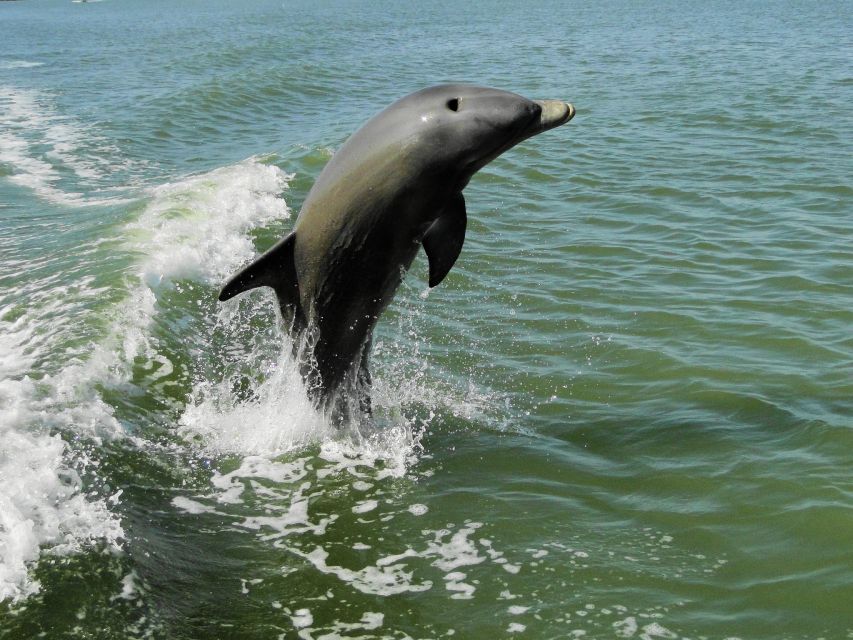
{"x":444,"y":239}
{"x":275,"y":269}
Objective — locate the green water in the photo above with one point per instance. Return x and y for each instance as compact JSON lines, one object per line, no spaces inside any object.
{"x":626,"y":413}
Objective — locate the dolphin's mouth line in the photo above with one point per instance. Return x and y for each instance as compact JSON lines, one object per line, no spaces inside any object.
{"x":551,"y":114}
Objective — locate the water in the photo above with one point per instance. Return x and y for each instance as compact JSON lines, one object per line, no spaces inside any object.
{"x":626,"y":413}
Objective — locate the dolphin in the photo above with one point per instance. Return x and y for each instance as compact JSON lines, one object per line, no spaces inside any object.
{"x":394,"y":186}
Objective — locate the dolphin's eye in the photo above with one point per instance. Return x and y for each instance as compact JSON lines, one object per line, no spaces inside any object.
{"x":453,"y":104}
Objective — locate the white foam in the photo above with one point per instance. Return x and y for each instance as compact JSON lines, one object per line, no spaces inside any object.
{"x":129,"y":588}
{"x":40,"y":144}
{"x":458,"y":551}
{"x":626,"y":628}
{"x":228,"y":201}
{"x":387,"y":577}
{"x":191,"y":506}
{"x":365,"y":506}
{"x":257,"y":467}
{"x":293,"y":519}
{"x":656,"y":630}
{"x":182,"y":222}
{"x":392,"y":574}
{"x":386,"y":454}
{"x":289,"y":489}
{"x":370,"y":621}
{"x":19,"y":64}
{"x":43,"y":505}
{"x":198,"y":227}
{"x":460,"y":590}
{"x":15,"y":338}
{"x":278,"y":419}
{"x":275,"y":417}
{"x":302,"y":618}
{"x":209,"y":242}
{"x":42,"y":501}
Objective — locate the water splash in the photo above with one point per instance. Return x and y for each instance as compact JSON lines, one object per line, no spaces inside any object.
{"x":196,"y":227}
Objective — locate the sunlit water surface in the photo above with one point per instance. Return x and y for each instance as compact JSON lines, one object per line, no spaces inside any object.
{"x":626,"y":413}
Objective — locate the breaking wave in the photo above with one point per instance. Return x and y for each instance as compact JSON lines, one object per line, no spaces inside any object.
{"x":52,"y":382}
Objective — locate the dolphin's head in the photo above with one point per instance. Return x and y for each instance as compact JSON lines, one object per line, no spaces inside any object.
{"x":464,"y":127}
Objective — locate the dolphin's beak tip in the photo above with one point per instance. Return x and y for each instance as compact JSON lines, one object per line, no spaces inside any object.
{"x":554,"y":113}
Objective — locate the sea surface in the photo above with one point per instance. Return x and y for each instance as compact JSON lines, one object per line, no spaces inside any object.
{"x":626,"y":413}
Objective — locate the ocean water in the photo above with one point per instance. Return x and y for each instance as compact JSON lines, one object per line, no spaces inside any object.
{"x":626,"y":413}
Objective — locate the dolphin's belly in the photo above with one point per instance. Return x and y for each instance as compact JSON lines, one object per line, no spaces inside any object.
{"x":348,"y":288}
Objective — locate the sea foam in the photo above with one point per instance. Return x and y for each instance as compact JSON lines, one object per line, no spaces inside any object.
{"x":45,"y":506}
{"x":43,"y":148}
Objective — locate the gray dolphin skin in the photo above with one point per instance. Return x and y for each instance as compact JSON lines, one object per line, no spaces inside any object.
{"x":394,"y":186}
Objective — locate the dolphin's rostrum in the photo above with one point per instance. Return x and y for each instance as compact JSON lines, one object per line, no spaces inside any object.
{"x":395,"y":185}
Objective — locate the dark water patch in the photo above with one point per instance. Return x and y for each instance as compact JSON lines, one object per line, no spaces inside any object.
{"x":95,"y":586}
{"x":839,"y":190}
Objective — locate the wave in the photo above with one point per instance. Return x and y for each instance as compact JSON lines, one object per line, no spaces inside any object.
{"x":196,"y":227}
{"x":51,"y":153}
{"x":19,"y":64}
{"x":238,"y":390}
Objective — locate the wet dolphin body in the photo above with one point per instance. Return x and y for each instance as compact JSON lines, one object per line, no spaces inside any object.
{"x":395,"y":185}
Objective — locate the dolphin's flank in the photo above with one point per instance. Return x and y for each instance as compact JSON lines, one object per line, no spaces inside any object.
{"x":395,"y":185}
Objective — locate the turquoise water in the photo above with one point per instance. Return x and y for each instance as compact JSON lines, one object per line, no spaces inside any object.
{"x":626,"y":413}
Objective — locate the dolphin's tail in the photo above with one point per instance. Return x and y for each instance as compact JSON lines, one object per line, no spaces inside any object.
{"x":348,"y":404}
{"x":275,"y":269}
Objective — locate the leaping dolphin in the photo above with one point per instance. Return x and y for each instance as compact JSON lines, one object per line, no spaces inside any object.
{"x":394,"y":185}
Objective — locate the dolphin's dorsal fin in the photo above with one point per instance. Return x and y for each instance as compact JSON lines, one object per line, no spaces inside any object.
{"x":444,"y":239}
{"x":275,"y":269}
